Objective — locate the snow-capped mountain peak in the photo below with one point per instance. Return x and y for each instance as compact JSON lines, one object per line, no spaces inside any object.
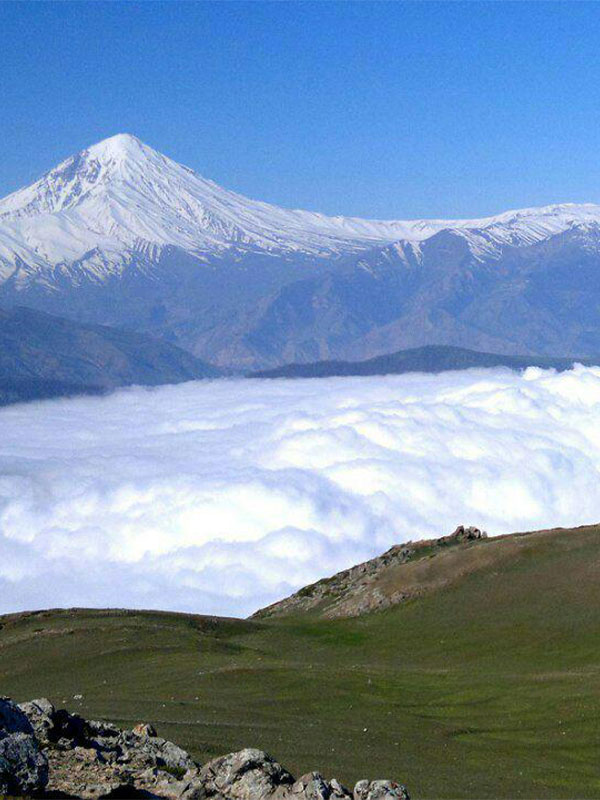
{"x":120,"y":198}
{"x":69,"y":182}
{"x":119,"y":234}
{"x":120,"y":146}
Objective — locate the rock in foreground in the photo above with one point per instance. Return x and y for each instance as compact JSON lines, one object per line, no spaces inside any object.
{"x":23,"y":767}
{"x":46,"y":751}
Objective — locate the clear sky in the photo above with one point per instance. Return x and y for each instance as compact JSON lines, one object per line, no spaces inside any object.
{"x":379,"y":110}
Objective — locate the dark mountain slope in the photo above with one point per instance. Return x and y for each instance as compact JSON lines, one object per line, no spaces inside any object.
{"x":43,"y":356}
{"x":431,"y":358}
{"x":24,"y":390}
{"x":539,"y":299}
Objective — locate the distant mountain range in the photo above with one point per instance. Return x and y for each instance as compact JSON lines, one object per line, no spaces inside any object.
{"x":42,"y":356}
{"x":121,"y":235}
{"x":431,"y":358}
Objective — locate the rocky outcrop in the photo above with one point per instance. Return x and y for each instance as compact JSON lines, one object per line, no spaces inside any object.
{"x":46,"y":751}
{"x":242,"y":776}
{"x":462,"y":534}
{"x":23,"y":766}
{"x":360,"y":589}
{"x":313,"y":786}
{"x":380,"y":790}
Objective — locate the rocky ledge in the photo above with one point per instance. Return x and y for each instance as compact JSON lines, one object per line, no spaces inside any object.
{"x":355,"y":591}
{"x":48,"y":752}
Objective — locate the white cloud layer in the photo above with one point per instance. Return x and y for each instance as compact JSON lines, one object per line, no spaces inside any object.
{"x":223,"y":496}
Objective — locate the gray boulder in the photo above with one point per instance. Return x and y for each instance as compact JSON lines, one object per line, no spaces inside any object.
{"x":338,"y":791}
{"x":41,"y":715}
{"x":380,"y":790}
{"x":249,"y":774}
{"x":146,"y":750}
{"x":99,"y":729}
{"x":313,"y":786}
{"x":23,"y":768}
{"x":463,"y":534}
{"x":55,"y":725}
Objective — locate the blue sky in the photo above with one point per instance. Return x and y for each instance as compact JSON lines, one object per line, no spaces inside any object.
{"x":379,"y":110}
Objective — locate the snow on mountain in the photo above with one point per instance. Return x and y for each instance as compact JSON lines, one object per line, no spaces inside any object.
{"x":120,"y":199}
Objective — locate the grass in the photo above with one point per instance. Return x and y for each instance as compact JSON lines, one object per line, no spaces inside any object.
{"x":486,"y":686}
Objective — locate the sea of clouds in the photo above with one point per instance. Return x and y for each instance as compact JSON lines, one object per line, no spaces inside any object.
{"x":223,"y":496}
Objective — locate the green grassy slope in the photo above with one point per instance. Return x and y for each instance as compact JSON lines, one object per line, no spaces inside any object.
{"x":488,"y":685}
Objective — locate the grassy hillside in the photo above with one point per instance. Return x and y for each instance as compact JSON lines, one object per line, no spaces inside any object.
{"x":486,"y":685}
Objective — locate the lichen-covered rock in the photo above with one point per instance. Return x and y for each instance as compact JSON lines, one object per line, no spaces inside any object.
{"x":246,"y":775}
{"x":116,"y":763}
{"x":88,"y":774}
{"x":152,"y":751}
{"x":97,"y":729}
{"x":338,"y":792}
{"x":23,"y":767}
{"x":380,"y":790}
{"x":41,"y":715}
{"x":55,"y":725}
{"x":313,"y":786}
{"x":144,"y":729}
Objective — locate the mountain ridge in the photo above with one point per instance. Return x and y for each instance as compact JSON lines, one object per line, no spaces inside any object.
{"x":122,"y":235}
{"x":121,"y":171}
{"x":43,"y":356}
{"x":429,"y":358}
